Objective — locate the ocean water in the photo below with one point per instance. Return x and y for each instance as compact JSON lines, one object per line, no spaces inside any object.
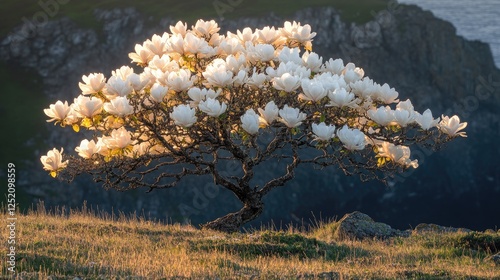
{"x":475,"y":20}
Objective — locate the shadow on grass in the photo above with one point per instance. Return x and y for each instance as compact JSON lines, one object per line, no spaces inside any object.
{"x":59,"y":266}
{"x":279,"y":244}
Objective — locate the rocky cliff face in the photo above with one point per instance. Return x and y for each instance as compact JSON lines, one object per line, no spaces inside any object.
{"x":410,"y":49}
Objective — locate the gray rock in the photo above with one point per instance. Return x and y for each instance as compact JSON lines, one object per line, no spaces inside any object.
{"x":359,"y":226}
{"x":323,"y":275}
{"x":495,"y":259}
{"x":421,"y":228}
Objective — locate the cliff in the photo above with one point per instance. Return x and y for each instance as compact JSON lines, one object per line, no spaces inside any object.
{"x":418,"y":54}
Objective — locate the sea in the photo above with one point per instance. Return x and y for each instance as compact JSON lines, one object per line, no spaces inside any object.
{"x":474,"y":20}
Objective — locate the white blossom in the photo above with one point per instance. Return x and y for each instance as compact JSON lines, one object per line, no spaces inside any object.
{"x":212,"y":107}
{"x":250,"y":121}
{"x":333,"y":66}
{"x":122,"y":72}
{"x":341,"y":97}
{"x":268,"y":115}
{"x":179,"y":28}
{"x":175,"y":45}
{"x":87,"y":149}
{"x":290,"y":55}
{"x":205,"y":28}
{"x":257,"y":80}
{"x":183,"y":115}
{"x":230,"y":46}
{"x":217,"y":75}
{"x":194,"y":45}
{"x":364,"y":88}
{"x":93,"y":83}
{"x":199,"y":94}
{"x":352,"y":73}
{"x":397,"y":154}
{"x":269,"y":35}
{"x":353,"y":139}
{"x":403,"y":117}
{"x":53,"y":160}
{"x":87,"y":106}
{"x":118,"y":139}
{"x":383,"y":116}
{"x":163,"y":63}
{"x":260,"y":52}
{"x":312,"y":90}
{"x":452,"y":126}
{"x":180,"y":80}
{"x":386,"y":94}
{"x":58,"y":111}
{"x":240,"y":78}
{"x":246,"y":35}
{"x":119,"y":106}
{"x":138,"y":82}
{"x":312,"y":61}
{"x":286,"y":82}
{"x":158,"y":92}
{"x":323,"y":132}
{"x":297,"y":32}
{"x":291,"y":117}
{"x":425,"y":120}
{"x":117,"y":87}
{"x":158,"y":44}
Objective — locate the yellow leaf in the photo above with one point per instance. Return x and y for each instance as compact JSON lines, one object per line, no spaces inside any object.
{"x":76,"y":127}
{"x":53,"y":174}
{"x":86,"y":122}
{"x":308,"y":46}
{"x":97,"y":119}
{"x":381,"y":161}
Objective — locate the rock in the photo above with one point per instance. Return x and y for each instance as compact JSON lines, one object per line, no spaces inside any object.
{"x":495,"y":259}
{"x":359,"y":226}
{"x":323,"y":275}
{"x":421,"y":228}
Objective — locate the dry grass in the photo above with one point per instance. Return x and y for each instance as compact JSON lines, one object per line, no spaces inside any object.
{"x":97,"y":246}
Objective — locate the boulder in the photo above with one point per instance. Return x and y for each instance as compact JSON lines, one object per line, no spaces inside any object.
{"x":359,"y":226}
{"x":421,"y":228}
{"x":496,"y":259}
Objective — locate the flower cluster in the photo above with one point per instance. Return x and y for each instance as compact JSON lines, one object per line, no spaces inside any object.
{"x":196,"y":84}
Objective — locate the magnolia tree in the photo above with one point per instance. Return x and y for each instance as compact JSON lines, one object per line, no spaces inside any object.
{"x":200,"y":100}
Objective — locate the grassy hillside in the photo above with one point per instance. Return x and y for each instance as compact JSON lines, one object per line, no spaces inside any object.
{"x":101,"y":247}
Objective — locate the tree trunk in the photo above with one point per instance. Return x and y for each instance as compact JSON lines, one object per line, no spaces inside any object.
{"x":252,"y":208}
